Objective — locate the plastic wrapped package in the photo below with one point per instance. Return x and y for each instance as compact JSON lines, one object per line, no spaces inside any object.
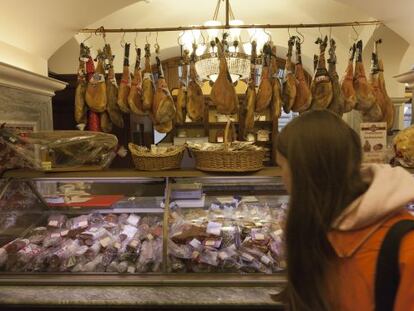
{"x":48,"y":150}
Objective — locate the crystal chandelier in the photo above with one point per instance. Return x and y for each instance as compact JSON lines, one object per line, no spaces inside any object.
{"x":237,"y":52}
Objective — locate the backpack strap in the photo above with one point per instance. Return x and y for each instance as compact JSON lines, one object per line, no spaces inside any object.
{"x":387,"y":277}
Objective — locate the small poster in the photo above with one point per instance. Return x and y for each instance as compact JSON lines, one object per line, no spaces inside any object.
{"x":374,"y":141}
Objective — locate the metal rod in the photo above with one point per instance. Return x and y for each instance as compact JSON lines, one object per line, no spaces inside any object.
{"x":264,"y":26}
{"x":37,"y":194}
{"x":227,"y":12}
{"x":165,"y":225}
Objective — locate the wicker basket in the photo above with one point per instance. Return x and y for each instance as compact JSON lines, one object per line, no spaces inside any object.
{"x":229,"y":161}
{"x":151,"y":162}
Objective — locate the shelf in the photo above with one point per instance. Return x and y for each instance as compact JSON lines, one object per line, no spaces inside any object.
{"x":190,"y":124}
{"x":131,"y":174}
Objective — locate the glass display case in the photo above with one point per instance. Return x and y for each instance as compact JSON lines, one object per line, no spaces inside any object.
{"x":127,"y":227}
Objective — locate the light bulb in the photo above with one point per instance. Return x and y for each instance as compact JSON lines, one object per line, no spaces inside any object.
{"x":212,"y":33}
{"x":235,"y":32}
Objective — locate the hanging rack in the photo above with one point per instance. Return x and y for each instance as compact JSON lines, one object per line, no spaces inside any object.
{"x":254,"y":26}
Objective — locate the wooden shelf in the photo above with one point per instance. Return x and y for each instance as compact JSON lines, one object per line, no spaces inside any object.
{"x":130,"y":173}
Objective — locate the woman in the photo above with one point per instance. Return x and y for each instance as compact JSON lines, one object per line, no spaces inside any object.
{"x":338,"y":216}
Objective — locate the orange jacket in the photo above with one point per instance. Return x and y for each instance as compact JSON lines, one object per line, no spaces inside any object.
{"x":357,"y":256}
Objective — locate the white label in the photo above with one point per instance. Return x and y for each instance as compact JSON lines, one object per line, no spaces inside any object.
{"x":150,"y":236}
{"x":46,"y":165}
{"x":83,"y":224}
{"x":266,"y":260}
{"x":117,"y":245}
{"x":210,"y":243}
{"x":214,"y":228}
{"x":214,"y":206}
{"x":148,"y":75}
{"x":247,"y":257}
{"x":134,"y":243}
{"x":259,"y":237}
{"x":55,"y":235}
{"x":93,"y":229}
{"x":195,"y":243}
{"x":220,"y":139}
{"x":195,"y":255}
{"x":64,"y":233}
{"x":53,"y":223}
{"x":223,"y":255}
{"x":131,"y":269}
{"x":133,"y":220}
{"x":129,"y":231}
{"x":105,"y":241}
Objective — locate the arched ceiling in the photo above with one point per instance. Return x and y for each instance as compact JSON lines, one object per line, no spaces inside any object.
{"x":46,"y":28}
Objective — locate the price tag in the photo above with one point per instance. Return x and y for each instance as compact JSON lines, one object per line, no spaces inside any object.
{"x":210,"y":243}
{"x":64,"y":233}
{"x":53,"y":223}
{"x":131,"y":269}
{"x":105,"y":242}
{"x":259,"y":237}
{"x":247,"y":257}
{"x":214,"y":228}
{"x":195,"y":243}
{"x":266,"y":260}
{"x":133,"y":243}
{"x":133,"y":220}
{"x":83,"y":224}
{"x":55,"y":235}
{"x":117,"y":245}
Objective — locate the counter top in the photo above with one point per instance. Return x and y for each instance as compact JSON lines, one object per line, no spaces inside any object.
{"x":259,"y":297}
{"x":131,"y":173}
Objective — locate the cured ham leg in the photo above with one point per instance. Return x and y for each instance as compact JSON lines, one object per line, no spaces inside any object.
{"x":276,"y":104}
{"x":80,"y":106}
{"x":249,"y":102}
{"x":289,"y":81}
{"x":96,"y":90}
{"x":135,"y":93}
{"x":115,"y":114}
{"x":147,"y":82}
{"x":264,"y":93}
{"x":125,"y":84}
{"x":338,"y":100}
{"x":163,"y":106}
{"x":321,"y":86}
{"x":303,"y":97}
{"x":365,"y":97}
{"x":195,"y":96}
{"x":223,"y":94}
{"x":389,"y":107}
{"x":181,"y":102}
{"x":347,"y":83}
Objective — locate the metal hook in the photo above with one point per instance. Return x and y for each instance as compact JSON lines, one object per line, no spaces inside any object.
{"x":356,"y":32}
{"x":269,"y":35}
{"x":101,"y":30}
{"x":252,"y":36}
{"x":330,"y":33}
{"x":204,"y":38}
{"x":90,"y":35}
{"x":135,"y":40}
{"x":123,"y":41}
{"x":320,"y":32}
{"x":146,"y":37}
{"x":156,"y":45}
{"x":289,"y":32}
{"x":302,"y":37}
{"x":179,"y":38}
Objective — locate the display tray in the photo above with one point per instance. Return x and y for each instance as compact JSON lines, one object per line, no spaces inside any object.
{"x":80,"y":168}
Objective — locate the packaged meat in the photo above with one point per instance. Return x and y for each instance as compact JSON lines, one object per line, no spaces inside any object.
{"x":56,"y":221}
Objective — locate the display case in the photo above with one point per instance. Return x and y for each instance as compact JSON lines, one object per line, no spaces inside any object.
{"x":131,"y":227}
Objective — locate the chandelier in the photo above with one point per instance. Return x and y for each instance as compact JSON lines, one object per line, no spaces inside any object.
{"x":237,"y":52}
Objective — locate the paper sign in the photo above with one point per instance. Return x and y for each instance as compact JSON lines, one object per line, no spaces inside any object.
{"x":373,"y":141}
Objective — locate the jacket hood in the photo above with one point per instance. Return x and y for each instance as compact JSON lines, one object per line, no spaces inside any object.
{"x":390,"y":190}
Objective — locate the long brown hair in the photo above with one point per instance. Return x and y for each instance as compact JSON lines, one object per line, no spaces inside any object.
{"x":324,"y":156}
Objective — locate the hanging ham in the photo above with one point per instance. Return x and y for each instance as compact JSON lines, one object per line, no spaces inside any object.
{"x":181,"y":102}
{"x":106,"y":124}
{"x":223,"y":94}
{"x":338,"y":100}
{"x":365,"y":97}
{"x":289,"y":80}
{"x":347,"y":83}
{"x":248,"y":106}
{"x":321,"y":86}
{"x":96,"y":90}
{"x":80,"y":106}
{"x":195,"y":96}
{"x":115,"y":114}
{"x":264,"y":93}
{"x":389,"y":107}
{"x":303,"y":97}
{"x":125,"y":84}
{"x":147,"y":82}
{"x":163,"y":108}
{"x":276,"y":104}
{"x":135,"y":93}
